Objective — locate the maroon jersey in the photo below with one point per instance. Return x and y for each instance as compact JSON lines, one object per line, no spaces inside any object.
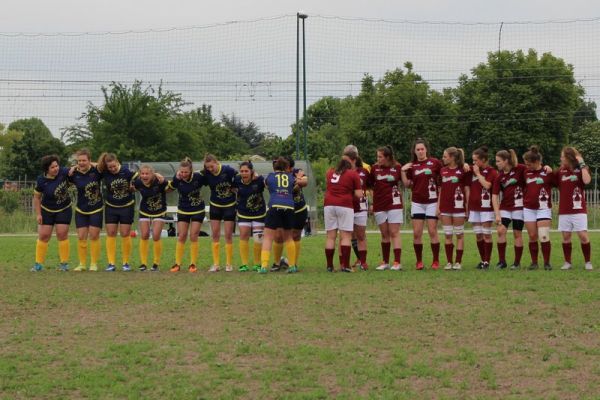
{"x":425,"y":177}
{"x":452,"y":190}
{"x":480,"y":199}
{"x":511,"y":185}
{"x":572,"y":191}
{"x":361,"y":204}
{"x":538,"y":189}
{"x":340,"y":188}
{"x":385,"y":182}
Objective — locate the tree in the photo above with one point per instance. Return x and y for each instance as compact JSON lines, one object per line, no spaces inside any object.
{"x":587,"y":141}
{"x":248,"y":132}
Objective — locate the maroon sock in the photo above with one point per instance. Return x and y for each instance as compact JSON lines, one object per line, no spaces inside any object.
{"x":546,"y":247}
{"x":533,"y":250}
{"x":435,"y":249}
{"x":385,"y":252}
{"x":397,"y":255}
{"x":362,"y":256}
{"x":481,"y":248}
{"x":449,"y":250}
{"x":418,"y":251}
{"x":518,"y":254}
{"x":567,"y":250}
{"x":329,"y":256}
{"x":459,"y":254}
{"x":346,"y":256}
{"x":488,"y":251}
{"x":502,"y":252}
{"x":587,"y":251}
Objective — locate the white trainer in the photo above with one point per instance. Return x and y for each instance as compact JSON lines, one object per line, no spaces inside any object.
{"x":383,"y":267}
{"x":588,"y":266}
{"x":566,"y":266}
{"x":214,"y":268}
{"x":228,"y":268}
{"x":448,"y":267}
{"x":396,"y":267}
{"x":457,"y":267}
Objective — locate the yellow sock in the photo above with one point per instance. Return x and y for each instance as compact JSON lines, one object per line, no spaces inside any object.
{"x":257,"y":250}
{"x":63,"y":251}
{"x":277,"y":251}
{"x":194,"y":252}
{"x":157,"y":251}
{"x":215,"y":253}
{"x":264,"y":258}
{"x":111,"y":249}
{"x":290,"y":247}
{"x":41,"y":248}
{"x":82,"y":246}
{"x":297,"y":245}
{"x":144,"y":251}
{"x":125,"y":248}
{"x":94,"y":251}
{"x":244,"y":251}
{"x":229,"y":253}
{"x":179,"y":249}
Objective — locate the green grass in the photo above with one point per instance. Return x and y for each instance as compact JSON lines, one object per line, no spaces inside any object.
{"x":430,"y":334}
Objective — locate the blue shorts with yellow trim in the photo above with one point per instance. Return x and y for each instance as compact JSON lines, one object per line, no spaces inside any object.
{"x":119,"y":215}
{"x":222,"y":213}
{"x":62,"y":217}
{"x":87,"y":220}
{"x":189,"y":218}
{"x":279,"y":218}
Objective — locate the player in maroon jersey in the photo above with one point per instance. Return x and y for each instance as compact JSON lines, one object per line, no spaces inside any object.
{"x":452,"y":204}
{"x":481,"y":212}
{"x":571,"y":178}
{"x":343,"y":185}
{"x":385,"y":179}
{"x":537,"y":203}
{"x":422,"y":176}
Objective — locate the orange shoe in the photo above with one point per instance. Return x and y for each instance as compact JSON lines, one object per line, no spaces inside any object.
{"x":192,"y":268}
{"x":435,"y":265}
{"x":175,"y":268}
{"x":419,"y":265}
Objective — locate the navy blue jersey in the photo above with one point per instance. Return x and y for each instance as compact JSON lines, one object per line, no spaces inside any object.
{"x":89,"y":196}
{"x":190,"y":198}
{"x":54,"y":191}
{"x":281,"y":187}
{"x":221,"y":184}
{"x":154,"y":197}
{"x":250,"y":199}
{"x":299,"y":200}
{"x":118,"y":193}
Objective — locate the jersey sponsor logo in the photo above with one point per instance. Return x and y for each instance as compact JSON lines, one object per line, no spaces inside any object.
{"x":426,"y":171}
{"x":571,"y":178}
{"x":539,"y":181}
{"x":452,"y":179}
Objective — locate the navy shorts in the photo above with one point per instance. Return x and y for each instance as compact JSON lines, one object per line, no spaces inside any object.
{"x":191,"y":217}
{"x":119,"y":215}
{"x":280,"y":218}
{"x":300,"y":219}
{"x":222,"y":213}
{"x":87,"y":220}
{"x":57,"y":218}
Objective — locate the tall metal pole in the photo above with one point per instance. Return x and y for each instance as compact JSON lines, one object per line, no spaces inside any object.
{"x":297,"y":126}
{"x":305,"y":125}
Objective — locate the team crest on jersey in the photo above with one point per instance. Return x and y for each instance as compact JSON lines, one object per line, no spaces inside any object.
{"x":61,"y":193}
{"x":223,"y":190}
{"x":154,"y":202}
{"x":429,"y":163}
{"x":119,"y":188}
{"x":195,"y":198}
{"x":255,"y":202}
{"x":92,"y":193}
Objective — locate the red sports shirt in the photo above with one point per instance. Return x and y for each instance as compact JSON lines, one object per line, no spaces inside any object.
{"x":425,"y":177}
{"x":538,"y":189}
{"x":340,"y":188}
{"x":452,"y":190}
{"x":362,"y":204}
{"x":510,"y":184}
{"x":572,"y":191}
{"x":480,"y":199}
{"x":385,"y":182}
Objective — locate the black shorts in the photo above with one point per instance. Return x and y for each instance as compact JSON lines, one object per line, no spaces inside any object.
{"x":222,"y":213}
{"x":189,"y":218}
{"x":57,"y":218}
{"x":119,"y":215}
{"x":87,"y":220}
{"x":280,"y":218}
{"x":516,"y":223}
{"x":300,"y":219}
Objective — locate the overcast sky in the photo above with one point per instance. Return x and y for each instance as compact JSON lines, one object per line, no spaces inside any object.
{"x":103,"y":15}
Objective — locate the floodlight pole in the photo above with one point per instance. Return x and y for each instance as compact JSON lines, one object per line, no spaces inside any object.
{"x":305,"y":125}
{"x":296,"y":127}
{"x":301,"y":16}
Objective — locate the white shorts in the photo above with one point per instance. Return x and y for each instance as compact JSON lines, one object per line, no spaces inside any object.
{"x":480,"y":217}
{"x":337,"y":217}
{"x":391,"y":216}
{"x":572,"y":222}
{"x":360,"y":218}
{"x":429,"y":210}
{"x":530,"y":215}
{"x":512,"y":215}
{"x":255,"y":225}
{"x":453,"y":215}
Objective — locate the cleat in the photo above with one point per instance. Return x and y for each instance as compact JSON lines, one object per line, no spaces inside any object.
{"x":93,"y":268}
{"x":275,"y":268}
{"x":228,"y":268}
{"x":419,"y":266}
{"x":37,"y":267}
{"x":533,"y":266}
{"x":292,"y":270}
{"x":154,"y":268}
{"x":547,"y":267}
{"x":515,"y":266}
{"x":364,"y":267}
{"x":125,"y":267}
{"x":479,"y":265}
{"x":448,"y":267}
{"x":566,"y":266}
{"x":214,"y":268}
{"x":111,"y":268}
{"x":347,"y":269}
{"x":256,"y":268}
{"x":192,"y":268}
{"x":396,"y":267}
{"x":501,"y":265}
{"x":457,"y":267}
{"x":143,"y":268}
{"x":435,"y":265}
{"x":175,"y":268}
{"x":485,"y":265}
{"x":383,"y":267}
{"x":63,"y":267}
{"x":243,"y":268}
{"x":263,"y":270}
{"x":283,"y":263}
{"x":79,"y":268}
{"x":588,"y":266}
{"x":330,"y":269}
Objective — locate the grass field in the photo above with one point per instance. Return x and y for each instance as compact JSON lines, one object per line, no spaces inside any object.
{"x":429,"y":334}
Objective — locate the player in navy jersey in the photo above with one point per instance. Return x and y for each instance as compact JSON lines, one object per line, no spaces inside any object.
{"x":119,"y":208}
{"x":190,"y":211}
{"x":222,"y":208}
{"x":52,"y":205}
{"x":153,"y":207}
{"x":88,"y":211}
{"x":251,"y":212}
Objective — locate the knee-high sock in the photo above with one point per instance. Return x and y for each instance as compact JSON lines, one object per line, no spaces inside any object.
{"x":518,"y":254}
{"x":290,"y":248}
{"x":586,"y":248}
{"x":345,"y":258}
{"x":144,"y":244}
{"x":215,"y":247}
{"x":41,"y":248}
{"x":94,"y":251}
{"x":194,"y":252}
{"x":63,"y":251}
{"x":533,"y":250}
{"x":264,"y":258}
{"x":179,"y":250}
{"x":502,"y":252}
{"x":418,"y":251}
{"x":397,"y":255}
{"x":435,"y":250}
{"x":459,"y":254}
{"x":111,"y":249}
{"x":277,"y":251}
{"x":385,"y":252}
{"x":329,"y":257}
{"x":297,"y":245}
{"x":546,"y":248}
{"x":488,"y":249}
{"x":156,"y":251}
{"x":82,"y":246}
{"x":244,"y":251}
{"x":229,"y":253}
{"x":125,"y":249}
{"x":257,"y":250}
{"x":567,"y":249}
{"x":449,"y":247}
{"x":481,"y":248}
